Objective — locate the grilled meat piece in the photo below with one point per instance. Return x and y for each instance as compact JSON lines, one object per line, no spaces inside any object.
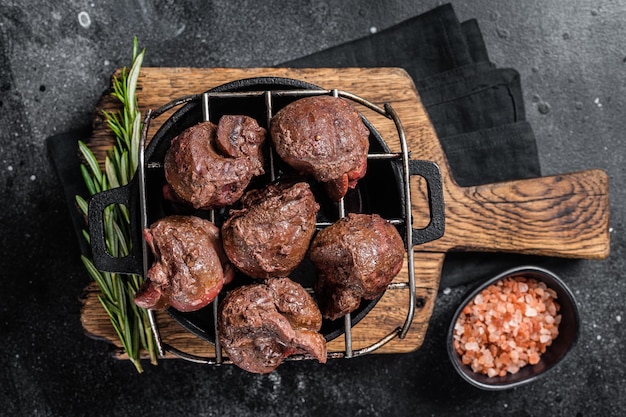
{"x":324,"y":137}
{"x":270,"y":234}
{"x":356,"y":257}
{"x":210,"y":166}
{"x":190,"y":266}
{"x":261,"y":324}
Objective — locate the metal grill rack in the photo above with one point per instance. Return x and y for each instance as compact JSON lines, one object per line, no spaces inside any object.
{"x":269,"y":96}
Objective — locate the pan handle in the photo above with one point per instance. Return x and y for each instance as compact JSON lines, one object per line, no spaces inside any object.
{"x":102,"y":259}
{"x":435,"y":228}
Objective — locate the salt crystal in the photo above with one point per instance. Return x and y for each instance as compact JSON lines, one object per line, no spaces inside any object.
{"x":33,"y":177}
{"x":373,"y":29}
{"x":513,"y":369}
{"x":530,"y":312}
{"x":599,"y":337}
{"x":473,"y":346}
{"x":447,"y":291}
{"x":459,"y":329}
{"x":10,"y":168}
{"x":618,"y":318}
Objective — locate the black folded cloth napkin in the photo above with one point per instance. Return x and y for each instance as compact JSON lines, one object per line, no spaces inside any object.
{"x":476,"y":109}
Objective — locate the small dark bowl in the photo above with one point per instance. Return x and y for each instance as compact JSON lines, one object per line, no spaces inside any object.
{"x":569,"y":329}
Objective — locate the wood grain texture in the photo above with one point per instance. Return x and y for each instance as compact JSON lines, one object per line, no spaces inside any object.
{"x":564,"y":215}
{"x":561,"y":215}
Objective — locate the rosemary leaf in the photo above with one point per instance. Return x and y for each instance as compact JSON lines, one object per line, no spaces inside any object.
{"x":91,"y":186}
{"x":86,"y":236}
{"x":82,"y":205}
{"x":119,"y":288}
{"x":123,"y":247}
{"x":123,"y":165}
{"x":131,"y":83}
{"x":119,"y":85}
{"x":91,"y":160}
{"x":127,"y":123}
{"x":109,"y":232}
{"x":135,"y":46}
{"x":114,"y":123}
{"x":112,"y":311}
{"x":110,"y":172}
{"x":126,"y":325}
{"x":104,"y":185}
{"x":117,"y":157}
{"x":97,"y":276}
{"x":134,"y":150}
{"x":126,"y":216}
{"x":143,"y":340}
{"x":114,"y":155}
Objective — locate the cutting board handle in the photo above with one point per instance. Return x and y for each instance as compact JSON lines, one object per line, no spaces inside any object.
{"x":562,"y":215}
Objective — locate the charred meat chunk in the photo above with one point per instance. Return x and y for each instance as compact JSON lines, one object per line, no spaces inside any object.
{"x":261,"y":324}
{"x":355,"y":257}
{"x":324,"y":137}
{"x":210,"y":166}
{"x":270,"y":234}
{"x":190,"y":265}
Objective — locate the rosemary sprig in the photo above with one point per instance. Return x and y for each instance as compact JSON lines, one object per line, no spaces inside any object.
{"x":118,"y":290}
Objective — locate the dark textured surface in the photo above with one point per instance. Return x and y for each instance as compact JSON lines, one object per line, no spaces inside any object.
{"x":572,"y":63}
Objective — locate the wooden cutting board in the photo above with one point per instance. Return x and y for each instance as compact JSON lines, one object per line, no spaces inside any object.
{"x":563,"y":215}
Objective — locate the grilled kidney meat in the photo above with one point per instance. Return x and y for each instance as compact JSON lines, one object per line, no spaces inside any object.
{"x":270,"y":234}
{"x":261,"y":324}
{"x":324,"y":137}
{"x":190,"y":266}
{"x":210,"y":166}
{"x":355,"y":258}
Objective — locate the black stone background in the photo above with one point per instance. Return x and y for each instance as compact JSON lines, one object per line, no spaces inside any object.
{"x":572,"y":59}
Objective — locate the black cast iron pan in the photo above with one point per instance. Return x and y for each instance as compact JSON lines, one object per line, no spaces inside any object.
{"x":381,"y":191}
